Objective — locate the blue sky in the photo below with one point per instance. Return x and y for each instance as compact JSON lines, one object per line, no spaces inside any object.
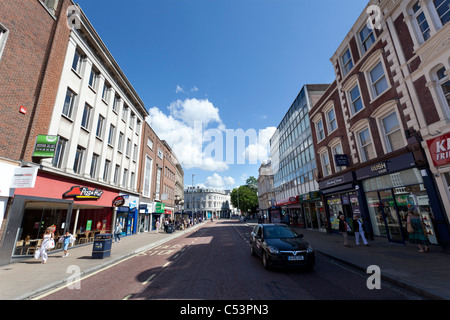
{"x":231,"y":64}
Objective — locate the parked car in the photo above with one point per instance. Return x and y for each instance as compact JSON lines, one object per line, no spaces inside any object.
{"x":281,"y":246}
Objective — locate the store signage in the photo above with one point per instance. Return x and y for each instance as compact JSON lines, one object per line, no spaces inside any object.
{"x":341,"y":160}
{"x":285,"y":202}
{"x":24,"y":178}
{"x":45,"y":146}
{"x":403,"y":162}
{"x":440,"y":150}
{"x":118,"y":201}
{"x":160,"y":207}
{"x":83,"y":193}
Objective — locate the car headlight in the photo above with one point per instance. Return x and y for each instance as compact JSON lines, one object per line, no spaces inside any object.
{"x":309,"y":249}
{"x":274,"y":250}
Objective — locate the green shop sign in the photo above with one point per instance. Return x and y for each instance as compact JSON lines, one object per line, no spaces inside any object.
{"x":160,"y":207}
{"x":45,"y":146}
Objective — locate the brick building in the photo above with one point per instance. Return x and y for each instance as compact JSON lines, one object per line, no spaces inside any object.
{"x":367,"y":133}
{"x":79,"y":100}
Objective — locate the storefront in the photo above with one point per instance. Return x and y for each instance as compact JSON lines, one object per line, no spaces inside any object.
{"x":290,"y":212}
{"x":341,"y":196}
{"x":391,"y":188}
{"x":64,"y":204}
{"x":128,"y":214}
{"x":314,"y":214}
{"x":144,"y":218}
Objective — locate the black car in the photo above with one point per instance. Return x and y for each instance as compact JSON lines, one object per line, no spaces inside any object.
{"x":281,"y":245}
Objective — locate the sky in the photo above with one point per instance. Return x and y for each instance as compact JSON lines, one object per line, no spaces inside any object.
{"x":210,"y":70}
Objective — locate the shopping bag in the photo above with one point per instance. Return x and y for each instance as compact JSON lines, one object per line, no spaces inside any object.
{"x":37,"y":253}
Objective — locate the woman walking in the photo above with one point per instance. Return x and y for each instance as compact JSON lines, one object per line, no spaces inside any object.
{"x":48,"y":242}
{"x":418,"y":235}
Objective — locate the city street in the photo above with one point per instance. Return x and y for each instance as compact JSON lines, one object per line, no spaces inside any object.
{"x":214,"y":263}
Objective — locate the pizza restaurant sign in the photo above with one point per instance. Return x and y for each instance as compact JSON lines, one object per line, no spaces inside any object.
{"x":83,"y":193}
{"x":440,"y":150}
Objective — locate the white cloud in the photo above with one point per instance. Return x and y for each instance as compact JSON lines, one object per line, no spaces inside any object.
{"x":179,"y":89}
{"x":219,"y":182}
{"x":183,"y":131}
{"x":194,"y":89}
{"x":260,"y":150}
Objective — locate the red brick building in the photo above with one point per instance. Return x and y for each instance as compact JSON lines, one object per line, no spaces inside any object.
{"x":367,"y":131}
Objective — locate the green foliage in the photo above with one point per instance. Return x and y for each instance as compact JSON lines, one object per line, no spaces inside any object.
{"x":245,"y":197}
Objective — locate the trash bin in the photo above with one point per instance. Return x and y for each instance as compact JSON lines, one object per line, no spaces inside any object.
{"x":102,"y":246}
{"x":170,"y":228}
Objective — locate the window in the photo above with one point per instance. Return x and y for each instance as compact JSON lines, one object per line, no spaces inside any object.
{"x":94,"y":163}
{"x":116,"y":103}
{"x":125,"y":178}
{"x":51,"y":5}
{"x":135,"y":151}
{"x":86,"y":116}
{"x":444,"y":84}
{"x":106,"y":90}
{"x":112,"y":134}
{"x":160,"y":154}
{"x":366,"y":145}
{"x":100,"y":124}
{"x":421,"y":20}
{"x":132,"y":117}
{"x":106,"y":170}
{"x":59,"y":153}
{"x":392,"y":134}
{"x":132,"y":180}
{"x":331,"y":118}
{"x":116,"y":174}
{"x":347,"y":63}
{"x":128,"y":150}
{"x":120,"y":143}
{"x":367,"y":38}
{"x":78,"y":160}
{"x":320,"y":130}
{"x":69,"y":103}
{"x":355,"y":100}
{"x":378,"y":80}
{"x":150,"y":143}
{"x":326,"y":167}
{"x":94,"y":78}
{"x":76,"y":63}
{"x":3,"y":36}
{"x":443,"y":10}
{"x":147,"y":176}
{"x":124,"y":113}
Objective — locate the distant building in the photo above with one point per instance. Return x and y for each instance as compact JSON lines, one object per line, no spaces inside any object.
{"x":266,"y":194}
{"x":207,"y":203}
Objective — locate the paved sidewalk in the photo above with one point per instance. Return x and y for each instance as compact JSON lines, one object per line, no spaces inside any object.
{"x":425,"y":274}
{"x":29,"y":278}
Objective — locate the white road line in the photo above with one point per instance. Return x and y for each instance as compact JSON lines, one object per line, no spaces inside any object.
{"x":127,"y":297}
{"x":149,"y":279}
{"x":166,"y":264}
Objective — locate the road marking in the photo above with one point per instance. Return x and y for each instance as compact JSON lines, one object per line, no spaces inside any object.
{"x":176,"y":256}
{"x":149,"y":279}
{"x":166,"y":264}
{"x":127,"y":297}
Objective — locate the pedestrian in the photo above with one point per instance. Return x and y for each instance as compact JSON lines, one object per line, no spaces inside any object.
{"x":117,"y":232}
{"x":418,"y":235}
{"x":68,"y":238}
{"x":343,"y":228}
{"x":166,"y":225}
{"x":48,"y":242}
{"x":358,"y":227}
{"x":157,"y":226}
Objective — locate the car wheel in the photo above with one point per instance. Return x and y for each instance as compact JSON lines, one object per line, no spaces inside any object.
{"x":265,"y":261}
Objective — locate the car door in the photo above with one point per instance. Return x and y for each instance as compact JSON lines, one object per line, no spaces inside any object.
{"x":259,"y":241}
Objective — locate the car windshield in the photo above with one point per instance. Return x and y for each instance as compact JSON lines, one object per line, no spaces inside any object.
{"x":277,"y":232}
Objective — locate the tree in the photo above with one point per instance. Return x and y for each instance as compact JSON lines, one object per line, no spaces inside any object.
{"x":245,"y":198}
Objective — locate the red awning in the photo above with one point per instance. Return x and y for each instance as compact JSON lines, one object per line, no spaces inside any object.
{"x":286,"y":202}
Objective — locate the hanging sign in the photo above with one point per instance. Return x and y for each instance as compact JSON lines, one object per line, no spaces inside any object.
{"x":45,"y":146}
{"x":83,"y":193}
{"x":118,"y":201}
{"x":440,"y":150}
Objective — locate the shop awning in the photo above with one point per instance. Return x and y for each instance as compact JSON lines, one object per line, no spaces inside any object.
{"x":286,"y":202}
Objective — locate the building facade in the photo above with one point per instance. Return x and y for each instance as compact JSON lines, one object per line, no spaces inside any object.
{"x":207,"y":203}
{"x":366,"y":130}
{"x":266,"y":195}
{"x":294,"y":164}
